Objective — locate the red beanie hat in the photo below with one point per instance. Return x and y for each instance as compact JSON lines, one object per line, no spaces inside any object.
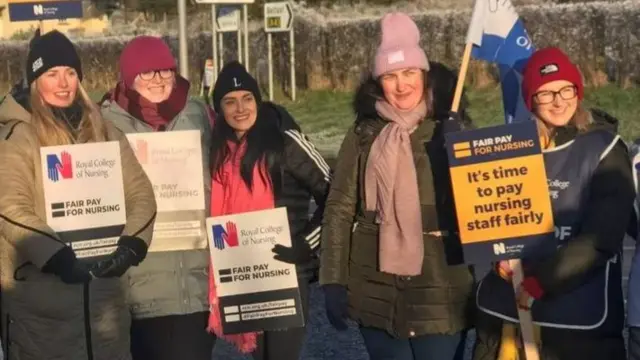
{"x":144,"y":54}
{"x":547,"y":65}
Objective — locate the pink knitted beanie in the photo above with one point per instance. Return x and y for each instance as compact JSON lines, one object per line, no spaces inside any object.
{"x":400,"y":45}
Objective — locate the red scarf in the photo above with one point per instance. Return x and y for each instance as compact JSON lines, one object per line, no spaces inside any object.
{"x":231,"y":195}
{"x":156,"y":115}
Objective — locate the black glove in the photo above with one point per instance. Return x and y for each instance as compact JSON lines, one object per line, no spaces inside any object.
{"x":453,"y":123}
{"x":299,"y":253}
{"x":337,"y":305}
{"x":65,"y":265}
{"x":130,"y":252}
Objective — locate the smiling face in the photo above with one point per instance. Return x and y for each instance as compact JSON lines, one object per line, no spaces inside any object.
{"x":555,"y":103}
{"x":240,"y":110}
{"x":404,"y":88}
{"x":155,"y":86}
{"x":58,"y":86}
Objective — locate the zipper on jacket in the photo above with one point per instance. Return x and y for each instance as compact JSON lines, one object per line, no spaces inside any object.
{"x":87,"y":321}
{"x":354,"y":227}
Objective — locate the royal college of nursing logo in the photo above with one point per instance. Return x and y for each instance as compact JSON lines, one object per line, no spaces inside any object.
{"x":59,"y":167}
{"x":141,"y":149}
{"x":225,"y":235}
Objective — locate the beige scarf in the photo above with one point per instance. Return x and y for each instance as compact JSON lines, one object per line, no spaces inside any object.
{"x":391,"y":189}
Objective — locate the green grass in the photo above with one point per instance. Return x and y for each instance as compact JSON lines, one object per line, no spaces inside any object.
{"x":326,"y":115}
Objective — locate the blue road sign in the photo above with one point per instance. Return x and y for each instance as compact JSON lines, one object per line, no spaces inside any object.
{"x":45,"y":10}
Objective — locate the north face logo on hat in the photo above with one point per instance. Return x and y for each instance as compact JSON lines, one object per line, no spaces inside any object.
{"x":37,"y":64}
{"x":549,"y":69}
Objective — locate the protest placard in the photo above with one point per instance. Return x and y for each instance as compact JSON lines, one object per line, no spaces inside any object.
{"x":173,"y":162}
{"x":256,"y":292}
{"x":84,"y":196}
{"x":501,"y":194}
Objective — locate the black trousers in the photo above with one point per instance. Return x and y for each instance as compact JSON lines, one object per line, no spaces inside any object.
{"x":285,"y":344}
{"x":634,"y":343}
{"x":557,"y":344}
{"x":175,"y":337}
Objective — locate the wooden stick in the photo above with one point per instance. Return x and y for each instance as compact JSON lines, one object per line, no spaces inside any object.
{"x":461,"y":76}
{"x":526,"y":322}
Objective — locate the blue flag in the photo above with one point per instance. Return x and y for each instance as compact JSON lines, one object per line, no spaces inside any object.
{"x":498,"y":36}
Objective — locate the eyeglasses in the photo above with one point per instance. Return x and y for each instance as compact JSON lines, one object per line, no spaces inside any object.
{"x":548,"y":96}
{"x":149,"y":75}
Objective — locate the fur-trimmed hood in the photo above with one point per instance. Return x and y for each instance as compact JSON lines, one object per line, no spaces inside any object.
{"x":440,"y":80}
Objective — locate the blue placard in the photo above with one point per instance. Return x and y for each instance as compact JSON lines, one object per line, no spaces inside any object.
{"x":49,"y":10}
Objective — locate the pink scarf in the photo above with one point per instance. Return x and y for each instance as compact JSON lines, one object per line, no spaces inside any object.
{"x":230,"y":195}
{"x":391,"y":189}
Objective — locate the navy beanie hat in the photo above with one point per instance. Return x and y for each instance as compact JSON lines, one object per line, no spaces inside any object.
{"x":233,"y":77}
{"x":48,"y":51}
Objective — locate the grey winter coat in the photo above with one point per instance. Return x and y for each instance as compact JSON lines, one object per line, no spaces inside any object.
{"x":172,"y":282}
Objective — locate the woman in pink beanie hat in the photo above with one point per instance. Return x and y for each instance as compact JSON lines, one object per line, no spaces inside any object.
{"x":390,"y":259}
{"x":168,"y":291}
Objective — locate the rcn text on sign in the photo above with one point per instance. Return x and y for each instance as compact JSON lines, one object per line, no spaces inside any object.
{"x":84,"y":196}
{"x":173,"y":162}
{"x":255,"y":291}
{"x":501,"y":193}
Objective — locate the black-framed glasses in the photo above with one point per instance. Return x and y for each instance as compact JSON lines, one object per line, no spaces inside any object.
{"x":149,"y":75}
{"x":546,"y":97}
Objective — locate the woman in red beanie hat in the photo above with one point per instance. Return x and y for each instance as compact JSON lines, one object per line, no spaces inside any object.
{"x":168,"y":292}
{"x":574,"y":294}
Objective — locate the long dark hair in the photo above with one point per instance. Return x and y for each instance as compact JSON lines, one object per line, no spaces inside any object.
{"x":265,"y":142}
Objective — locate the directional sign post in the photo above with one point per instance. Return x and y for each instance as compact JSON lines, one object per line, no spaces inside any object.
{"x":278,"y":17}
{"x":243,"y":58}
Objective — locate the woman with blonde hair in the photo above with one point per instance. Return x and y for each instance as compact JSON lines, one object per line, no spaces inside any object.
{"x":575,"y":293}
{"x":55,"y":306}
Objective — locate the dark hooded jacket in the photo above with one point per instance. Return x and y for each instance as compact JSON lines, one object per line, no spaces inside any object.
{"x":438,"y":300}
{"x":607,"y":215}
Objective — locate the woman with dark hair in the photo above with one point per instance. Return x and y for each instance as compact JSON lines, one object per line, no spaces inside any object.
{"x":390,"y":258}
{"x":261,"y":160}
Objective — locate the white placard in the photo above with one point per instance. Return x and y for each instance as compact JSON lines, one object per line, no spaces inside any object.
{"x":173,"y":162}
{"x":84,"y":195}
{"x":256,"y":291}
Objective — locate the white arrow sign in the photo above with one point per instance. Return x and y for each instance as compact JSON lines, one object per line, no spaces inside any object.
{"x":278,"y":16}
{"x":228,"y":19}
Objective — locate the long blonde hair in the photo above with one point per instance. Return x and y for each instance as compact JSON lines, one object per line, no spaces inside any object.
{"x":52,"y":131}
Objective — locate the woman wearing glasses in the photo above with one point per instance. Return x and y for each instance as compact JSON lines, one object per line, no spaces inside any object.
{"x":574,"y":294}
{"x":168,"y":291}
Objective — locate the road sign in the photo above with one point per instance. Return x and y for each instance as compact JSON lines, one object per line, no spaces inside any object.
{"x":278,"y":16}
{"x":44,"y":10}
{"x":225,"y":2}
{"x":228,"y":19}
